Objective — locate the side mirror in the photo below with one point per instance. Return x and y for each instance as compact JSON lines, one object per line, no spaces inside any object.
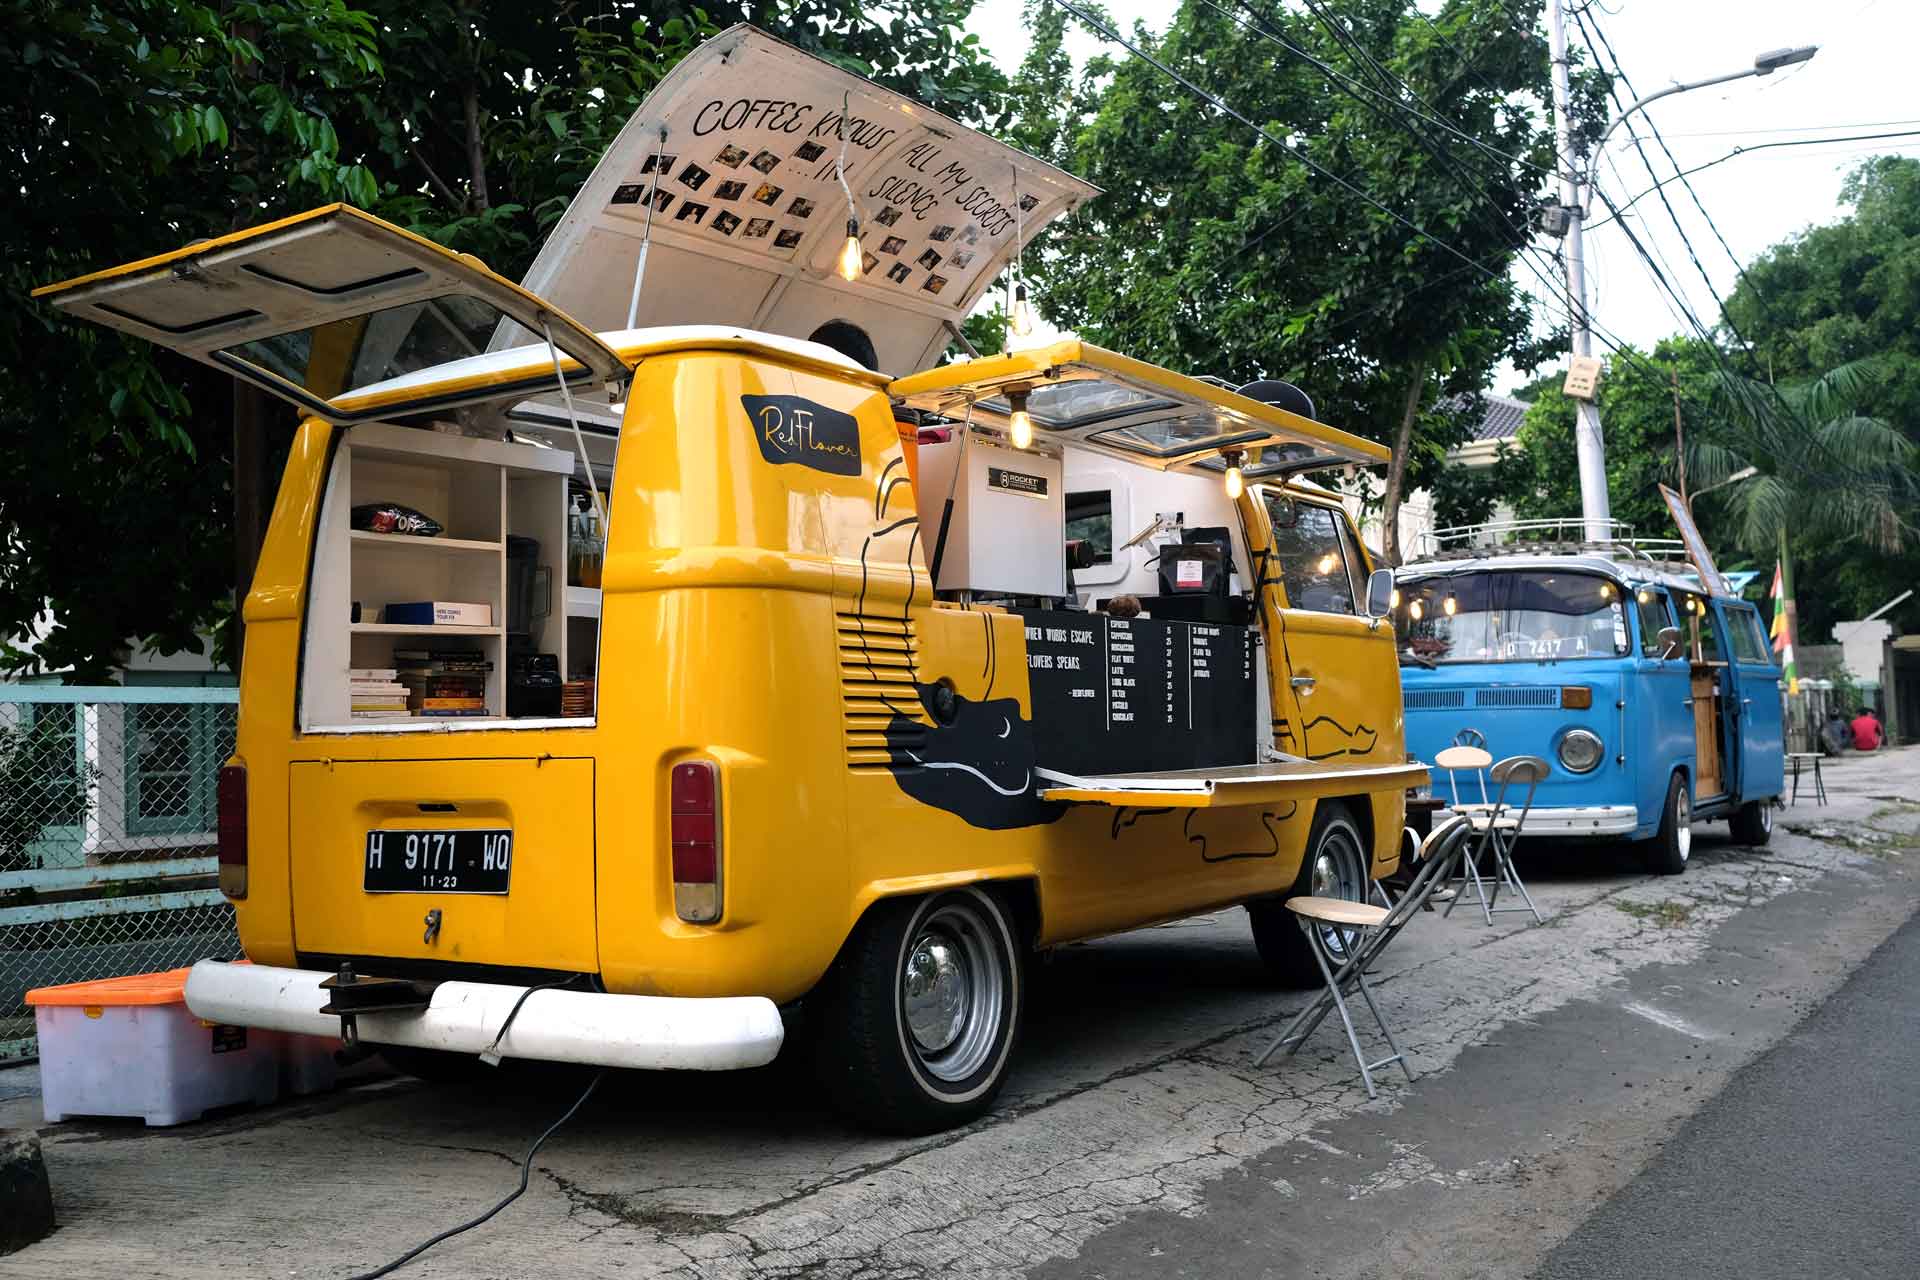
{"x":1380,"y":593}
{"x":1669,"y":642}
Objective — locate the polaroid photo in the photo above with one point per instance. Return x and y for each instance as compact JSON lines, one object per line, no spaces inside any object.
{"x":867,"y":263}
{"x":940,"y":233}
{"x":767,"y":194}
{"x":789,"y":238}
{"x":928,"y":260}
{"x":757,"y":228}
{"x":725,"y":222}
{"x":960,"y":259}
{"x":893,"y":245}
{"x":971,"y":235}
{"x":809,"y":151}
{"x":690,"y":212}
{"x":1027,"y":203}
{"x":800,"y":208}
{"x":887,"y":216}
{"x":629,"y":193}
{"x":694,"y":176}
{"x":899,"y":272}
{"x":731,"y":156}
{"x":729,"y":191}
{"x":935,"y":284}
{"x":766,"y":162}
{"x":661,"y":199}
{"x":657,"y":163}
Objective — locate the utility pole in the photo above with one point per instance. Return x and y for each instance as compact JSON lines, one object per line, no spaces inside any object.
{"x":1589,"y":444}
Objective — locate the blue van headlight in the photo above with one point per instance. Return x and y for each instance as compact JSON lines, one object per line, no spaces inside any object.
{"x":1581,"y":751}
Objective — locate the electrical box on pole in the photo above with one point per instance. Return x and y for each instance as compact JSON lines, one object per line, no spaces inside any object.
{"x":1583,"y":378}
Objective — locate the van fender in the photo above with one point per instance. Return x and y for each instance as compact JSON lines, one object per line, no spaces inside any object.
{"x":1023,"y":875}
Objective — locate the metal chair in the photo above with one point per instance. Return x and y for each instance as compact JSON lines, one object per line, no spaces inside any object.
{"x":1367,"y":931}
{"x":1498,"y":832}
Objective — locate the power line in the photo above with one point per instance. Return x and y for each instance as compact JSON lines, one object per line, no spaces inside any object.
{"x":1737,"y":152}
{"x":1793,"y":128}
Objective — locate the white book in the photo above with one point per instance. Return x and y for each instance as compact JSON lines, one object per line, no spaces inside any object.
{"x":372,"y":673}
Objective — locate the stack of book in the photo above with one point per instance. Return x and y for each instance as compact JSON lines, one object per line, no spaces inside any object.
{"x":444,"y":681}
{"x":377,"y":693}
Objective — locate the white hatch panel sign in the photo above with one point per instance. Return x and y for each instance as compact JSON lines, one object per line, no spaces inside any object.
{"x":736,"y":155}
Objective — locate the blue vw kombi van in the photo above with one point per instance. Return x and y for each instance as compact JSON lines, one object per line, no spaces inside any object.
{"x":1656,"y":703}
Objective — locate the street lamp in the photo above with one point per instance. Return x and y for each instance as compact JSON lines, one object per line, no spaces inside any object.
{"x":1744,"y":473}
{"x":1575,"y":188}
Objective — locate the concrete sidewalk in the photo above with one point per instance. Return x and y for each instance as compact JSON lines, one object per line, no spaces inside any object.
{"x":1137,"y":1138}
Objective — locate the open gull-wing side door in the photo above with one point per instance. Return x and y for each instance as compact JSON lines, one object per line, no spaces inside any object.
{"x":730,"y":167}
{"x":325,"y":303}
{"x":1128,"y":409}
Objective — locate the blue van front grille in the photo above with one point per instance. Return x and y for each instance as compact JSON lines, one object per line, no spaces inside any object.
{"x":1435,"y":699}
{"x":1520,"y":696}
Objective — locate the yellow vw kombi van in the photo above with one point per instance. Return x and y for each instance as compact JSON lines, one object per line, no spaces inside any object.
{"x":626,"y":667}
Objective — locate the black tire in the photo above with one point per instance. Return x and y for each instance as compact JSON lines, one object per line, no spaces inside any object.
{"x":918,"y":1018}
{"x":1752,"y":823}
{"x":1336,"y":864}
{"x":1667,"y":853}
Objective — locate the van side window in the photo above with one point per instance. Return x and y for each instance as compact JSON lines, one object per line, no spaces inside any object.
{"x":1655,"y":616}
{"x":1312,"y":557}
{"x":1748,"y":647}
{"x":1090,"y":517}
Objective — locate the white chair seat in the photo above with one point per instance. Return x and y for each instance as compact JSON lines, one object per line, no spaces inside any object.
{"x":1337,"y":910}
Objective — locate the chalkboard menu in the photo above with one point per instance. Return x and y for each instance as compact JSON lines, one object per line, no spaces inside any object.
{"x":1115,"y":695}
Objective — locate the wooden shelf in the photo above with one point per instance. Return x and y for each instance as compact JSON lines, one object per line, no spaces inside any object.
{"x":419,"y":629}
{"x":363,"y":538}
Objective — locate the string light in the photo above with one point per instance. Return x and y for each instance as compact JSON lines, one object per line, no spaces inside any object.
{"x":1019,"y":422}
{"x":1417,"y":610}
{"x":1450,"y":606}
{"x":850,"y":257}
{"x":1394,"y":603}
{"x":1643,"y":596}
{"x":1235,"y":480}
{"x":1325,"y":565}
{"x":850,"y":262}
{"x":1020,"y":321}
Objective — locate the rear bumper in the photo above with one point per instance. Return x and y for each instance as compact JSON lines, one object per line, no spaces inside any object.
{"x":1582,"y":820}
{"x":644,"y":1032}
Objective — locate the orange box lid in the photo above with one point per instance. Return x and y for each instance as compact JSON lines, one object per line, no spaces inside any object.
{"x":136,"y":989}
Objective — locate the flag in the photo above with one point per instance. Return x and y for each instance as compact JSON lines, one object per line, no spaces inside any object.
{"x":1782,"y":629}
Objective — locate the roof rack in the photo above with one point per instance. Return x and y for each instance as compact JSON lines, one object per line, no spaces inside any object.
{"x":1561,"y":535}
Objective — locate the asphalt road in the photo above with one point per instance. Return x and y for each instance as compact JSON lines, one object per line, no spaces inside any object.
{"x":1807,"y":1163}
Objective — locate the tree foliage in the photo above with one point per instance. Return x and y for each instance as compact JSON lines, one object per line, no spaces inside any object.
{"x":130,"y":127}
{"x":1216,"y":251}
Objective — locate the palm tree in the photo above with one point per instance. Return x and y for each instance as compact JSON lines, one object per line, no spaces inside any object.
{"x":1823,"y":468}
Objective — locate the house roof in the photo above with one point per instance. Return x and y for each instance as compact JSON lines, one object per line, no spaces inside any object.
{"x":1501,"y":418}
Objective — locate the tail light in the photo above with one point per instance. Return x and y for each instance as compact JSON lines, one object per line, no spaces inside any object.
{"x":694,"y":801}
{"x":230,"y":794}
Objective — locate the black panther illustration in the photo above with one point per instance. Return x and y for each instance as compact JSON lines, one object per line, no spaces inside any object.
{"x":976,"y":760}
{"x":1335,"y":739}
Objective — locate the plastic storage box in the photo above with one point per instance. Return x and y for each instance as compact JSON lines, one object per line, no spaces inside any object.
{"x":130,"y":1047}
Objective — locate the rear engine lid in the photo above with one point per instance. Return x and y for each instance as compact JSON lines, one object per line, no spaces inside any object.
{"x":523,"y":902}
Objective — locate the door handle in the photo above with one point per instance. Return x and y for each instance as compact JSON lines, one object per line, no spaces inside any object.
{"x":1686,"y":702}
{"x":1304,"y":684}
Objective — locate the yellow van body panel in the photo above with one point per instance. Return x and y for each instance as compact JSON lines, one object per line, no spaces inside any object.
{"x":769,"y":613}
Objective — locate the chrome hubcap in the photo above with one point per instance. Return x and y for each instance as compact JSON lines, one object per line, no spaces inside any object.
{"x":954,"y":991}
{"x":1337,"y":873}
{"x":936,"y":994}
{"x":1766,"y":816}
{"x":1683,"y":824}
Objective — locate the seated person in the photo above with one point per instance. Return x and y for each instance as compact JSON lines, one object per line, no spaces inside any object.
{"x":1866,"y":731}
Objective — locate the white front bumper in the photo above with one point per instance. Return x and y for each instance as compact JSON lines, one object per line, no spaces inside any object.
{"x":645,"y":1032}
{"x":1584,"y":820}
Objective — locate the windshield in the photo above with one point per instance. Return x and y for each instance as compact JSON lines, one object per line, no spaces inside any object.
{"x":1513,"y":615}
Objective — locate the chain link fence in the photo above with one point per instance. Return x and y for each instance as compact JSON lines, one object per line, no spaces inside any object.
{"x":107,"y":831}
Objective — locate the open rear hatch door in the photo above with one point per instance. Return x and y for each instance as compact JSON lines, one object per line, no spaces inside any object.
{"x":1108,"y":403}
{"x":730,"y":173}
{"x":325,"y":303}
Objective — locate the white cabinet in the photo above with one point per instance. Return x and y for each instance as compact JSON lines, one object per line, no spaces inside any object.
{"x":489,"y":497}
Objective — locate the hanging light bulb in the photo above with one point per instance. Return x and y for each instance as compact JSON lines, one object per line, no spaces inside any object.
{"x":1019,"y":422}
{"x":1325,"y":565}
{"x":1394,"y":602}
{"x":1450,"y":605}
{"x":850,"y":256}
{"x":1235,"y":480}
{"x":1418,"y":610}
{"x":1643,"y":596}
{"x":1020,"y":319}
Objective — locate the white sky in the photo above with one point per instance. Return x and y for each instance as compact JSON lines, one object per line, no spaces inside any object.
{"x":1863,"y":75}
